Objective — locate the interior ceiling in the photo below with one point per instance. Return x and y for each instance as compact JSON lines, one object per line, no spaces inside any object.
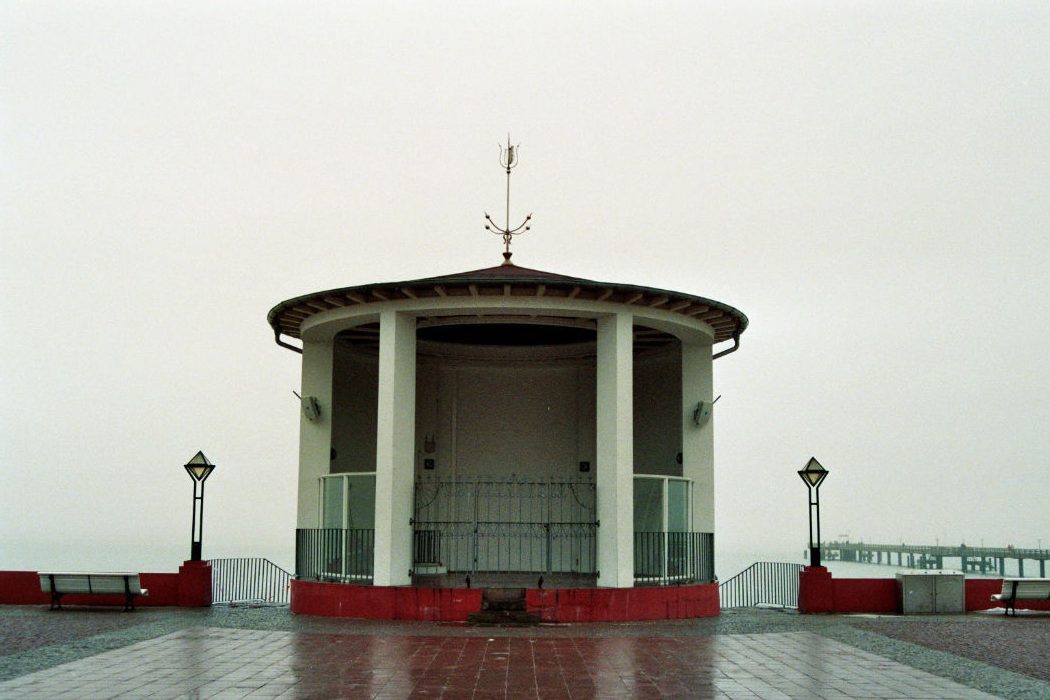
{"x":532,"y":332}
{"x":506,"y":334}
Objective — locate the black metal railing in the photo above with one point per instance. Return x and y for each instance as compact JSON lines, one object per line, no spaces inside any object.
{"x":673,"y":558}
{"x":333,"y":554}
{"x":426,"y":547}
{"x":501,"y":524}
{"x":762,"y":583}
{"x":511,"y":547}
{"x":248,"y":580}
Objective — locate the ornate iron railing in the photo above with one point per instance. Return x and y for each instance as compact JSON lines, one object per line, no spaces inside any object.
{"x":673,"y":558}
{"x":248,"y":580}
{"x":333,"y":554}
{"x":762,"y":583}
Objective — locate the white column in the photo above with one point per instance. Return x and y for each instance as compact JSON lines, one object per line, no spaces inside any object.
{"x":395,"y":448}
{"x":698,"y":442}
{"x":315,"y":437}
{"x":615,"y":450}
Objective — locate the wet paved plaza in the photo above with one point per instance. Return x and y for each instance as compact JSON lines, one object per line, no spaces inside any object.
{"x":756,"y":654}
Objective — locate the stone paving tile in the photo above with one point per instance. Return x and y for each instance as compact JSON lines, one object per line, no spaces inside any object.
{"x":73,"y":634}
{"x":213,"y":663}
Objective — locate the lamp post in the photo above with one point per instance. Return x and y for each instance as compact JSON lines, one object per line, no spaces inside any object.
{"x":813,"y":474}
{"x":199,"y":468}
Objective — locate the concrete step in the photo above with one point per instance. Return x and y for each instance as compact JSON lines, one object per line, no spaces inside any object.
{"x":503,"y":617}
{"x":503,"y":599}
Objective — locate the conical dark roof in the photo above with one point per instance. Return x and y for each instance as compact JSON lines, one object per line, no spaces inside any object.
{"x":510,"y":281}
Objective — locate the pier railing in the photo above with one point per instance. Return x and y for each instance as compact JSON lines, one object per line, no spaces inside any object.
{"x":984,"y":560}
{"x":762,"y":583}
{"x":248,"y":580}
{"x":334,"y":554}
{"x":947,"y":550}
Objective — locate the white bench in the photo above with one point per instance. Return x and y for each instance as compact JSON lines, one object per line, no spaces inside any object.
{"x":1015,"y":589}
{"x":59,"y":584}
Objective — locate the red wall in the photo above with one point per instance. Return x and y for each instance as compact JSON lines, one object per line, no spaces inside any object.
{"x":870,"y":595}
{"x":384,"y":602}
{"x":455,"y":604}
{"x":191,"y":587}
{"x":163,"y":589}
{"x":816,"y":591}
{"x":819,"y":592}
{"x":979,"y":592}
{"x":622,"y":604}
{"x":23,"y":588}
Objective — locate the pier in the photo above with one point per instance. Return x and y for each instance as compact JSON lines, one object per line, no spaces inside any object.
{"x":981,"y":560}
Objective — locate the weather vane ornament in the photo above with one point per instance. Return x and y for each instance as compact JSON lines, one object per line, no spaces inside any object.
{"x":508,"y":158}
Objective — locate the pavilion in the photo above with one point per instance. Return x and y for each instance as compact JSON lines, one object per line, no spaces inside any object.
{"x":507,"y":425}
{"x":506,"y":421}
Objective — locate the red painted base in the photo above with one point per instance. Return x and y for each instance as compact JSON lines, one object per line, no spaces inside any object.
{"x":384,"y":602}
{"x":191,"y":587}
{"x":816,"y":592}
{"x":624,"y":604}
{"x":194,"y":584}
{"x":455,"y":604}
{"x":820,"y":593}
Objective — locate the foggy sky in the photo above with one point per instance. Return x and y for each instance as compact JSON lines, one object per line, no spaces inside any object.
{"x":866,"y":181}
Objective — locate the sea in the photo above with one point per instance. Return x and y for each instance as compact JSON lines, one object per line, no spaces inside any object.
{"x":160,"y":558}
{"x":729,"y":563}
{"x":130,"y":556}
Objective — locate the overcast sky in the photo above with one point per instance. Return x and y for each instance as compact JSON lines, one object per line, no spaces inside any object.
{"x":868,"y":182}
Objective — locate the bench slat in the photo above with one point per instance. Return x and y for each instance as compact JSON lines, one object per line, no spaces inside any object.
{"x":60,"y":584}
{"x":1015,"y":590}
{"x":1032,"y":590}
{"x":111,"y":585}
{"x":1025,"y":589}
{"x":90,"y":583}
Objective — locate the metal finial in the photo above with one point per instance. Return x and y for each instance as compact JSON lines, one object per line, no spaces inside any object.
{"x":508,"y":158}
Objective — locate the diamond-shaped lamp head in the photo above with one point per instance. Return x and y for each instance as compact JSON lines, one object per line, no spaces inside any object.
{"x":813,"y":473}
{"x":199,"y":467}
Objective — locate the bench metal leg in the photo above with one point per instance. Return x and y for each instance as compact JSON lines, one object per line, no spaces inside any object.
{"x":129,"y":599}
{"x":56,"y":597}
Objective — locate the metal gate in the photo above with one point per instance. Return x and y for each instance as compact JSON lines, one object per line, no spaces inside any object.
{"x":506,"y":525}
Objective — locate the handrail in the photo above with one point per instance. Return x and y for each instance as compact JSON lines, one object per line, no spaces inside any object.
{"x":762,"y":583}
{"x":248,"y":579}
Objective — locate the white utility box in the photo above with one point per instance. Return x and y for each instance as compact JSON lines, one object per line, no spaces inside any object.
{"x":931,"y":592}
